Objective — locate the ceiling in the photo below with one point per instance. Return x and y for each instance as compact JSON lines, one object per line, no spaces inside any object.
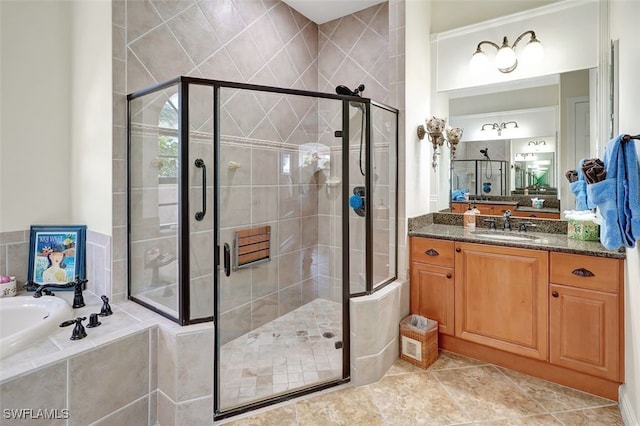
{"x":445,"y":14}
{"x":328,"y":10}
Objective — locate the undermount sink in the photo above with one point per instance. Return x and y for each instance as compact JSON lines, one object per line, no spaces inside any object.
{"x":505,"y":236}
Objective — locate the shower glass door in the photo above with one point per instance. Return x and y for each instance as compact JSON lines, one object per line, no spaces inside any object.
{"x":279,"y":201}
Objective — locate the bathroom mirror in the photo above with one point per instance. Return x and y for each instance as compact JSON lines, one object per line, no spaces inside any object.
{"x":546,"y":131}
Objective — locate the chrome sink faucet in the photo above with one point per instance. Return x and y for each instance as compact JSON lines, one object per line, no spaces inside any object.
{"x":507,"y":220}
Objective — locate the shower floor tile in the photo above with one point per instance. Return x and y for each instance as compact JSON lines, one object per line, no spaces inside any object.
{"x":291,"y":352}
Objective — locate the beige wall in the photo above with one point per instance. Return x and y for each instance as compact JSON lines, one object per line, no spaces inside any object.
{"x":54,"y":163}
{"x":90,"y":115}
{"x":35,"y":162}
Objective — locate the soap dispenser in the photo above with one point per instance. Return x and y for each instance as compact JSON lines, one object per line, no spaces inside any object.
{"x":469,"y":219}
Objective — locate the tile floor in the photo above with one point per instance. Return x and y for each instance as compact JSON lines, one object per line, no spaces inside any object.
{"x":455,"y":390}
{"x":291,"y":352}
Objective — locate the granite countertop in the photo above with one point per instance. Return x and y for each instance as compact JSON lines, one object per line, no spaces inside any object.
{"x":440,"y":227}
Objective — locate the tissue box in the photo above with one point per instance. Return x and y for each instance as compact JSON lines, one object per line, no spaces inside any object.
{"x":586,"y":230}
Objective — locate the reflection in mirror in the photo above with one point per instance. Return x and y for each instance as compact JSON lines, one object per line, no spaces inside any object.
{"x":553,"y":109}
{"x":534,"y":166}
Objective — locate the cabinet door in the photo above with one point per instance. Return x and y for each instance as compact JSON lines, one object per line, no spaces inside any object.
{"x":432,"y":294}
{"x":501,"y":298}
{"x":459,"y":207}
{"x":500,"y":210}
{"x":585,"y":331}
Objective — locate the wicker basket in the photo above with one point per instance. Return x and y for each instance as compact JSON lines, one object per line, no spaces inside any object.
{"x":419,"y":344}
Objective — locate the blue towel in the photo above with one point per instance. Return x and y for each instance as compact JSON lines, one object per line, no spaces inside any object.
{"x":632,"y":192}
{"x":604,"y":195}
{"x":458,"y":194}
{"x":617,"y":196}
{"x":579,"y":189}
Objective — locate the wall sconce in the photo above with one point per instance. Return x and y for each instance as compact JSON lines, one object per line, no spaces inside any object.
{"x":435,"y":129}
{"x":499,"y":127}
{"x":506,"y":59}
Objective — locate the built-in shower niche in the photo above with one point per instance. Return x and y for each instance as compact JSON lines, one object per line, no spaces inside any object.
{"x":238,"y":211}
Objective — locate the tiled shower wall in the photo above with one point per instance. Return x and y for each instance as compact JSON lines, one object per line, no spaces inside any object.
{"x":263,"y":42}
{"x":14,"y":259}
{"x":353,"y":50}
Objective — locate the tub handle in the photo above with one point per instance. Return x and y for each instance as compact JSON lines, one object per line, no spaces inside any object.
{"x":200,"y":164}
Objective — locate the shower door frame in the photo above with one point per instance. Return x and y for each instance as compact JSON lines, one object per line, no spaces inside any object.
{"x":183,"y":317}
{"x":219,"y":414}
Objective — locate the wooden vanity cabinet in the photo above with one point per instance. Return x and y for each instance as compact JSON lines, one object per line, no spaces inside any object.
{"x":501,"y":298}
{"x":557,"y":316}
{"x":432,"y":281}
{"x":538,"y":215}
{"x":585,"y":314}
{"x":485,"y":209}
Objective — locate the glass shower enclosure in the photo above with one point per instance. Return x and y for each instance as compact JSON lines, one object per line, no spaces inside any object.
{"x":241,"y":212}
{"x":480,"y":177}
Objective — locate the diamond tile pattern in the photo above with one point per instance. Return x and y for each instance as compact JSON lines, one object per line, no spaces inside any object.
{"x":455,"y":390}
{"x":266,"y":42}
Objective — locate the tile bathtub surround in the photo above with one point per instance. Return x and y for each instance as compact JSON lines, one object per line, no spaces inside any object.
{"x":14,"y":259}
{"x":454,"y":390}
{"x":90,"y":385}
{"x":119,"y":373}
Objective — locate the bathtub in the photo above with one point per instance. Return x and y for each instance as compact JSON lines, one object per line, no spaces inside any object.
{"x":25,"y":320}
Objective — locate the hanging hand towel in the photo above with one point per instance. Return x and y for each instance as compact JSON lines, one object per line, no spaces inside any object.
{"x":632,"y":192}
{"x":579,"y":189}
{"x":604,"y":194}
{"x":613,"y":195}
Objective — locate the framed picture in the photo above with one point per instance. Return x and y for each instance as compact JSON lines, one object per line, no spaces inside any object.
{"x":56,"y":254}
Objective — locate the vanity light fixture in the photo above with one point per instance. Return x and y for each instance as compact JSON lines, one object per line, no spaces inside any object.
{"x":499,"y":127}
{"x":506,"y":59}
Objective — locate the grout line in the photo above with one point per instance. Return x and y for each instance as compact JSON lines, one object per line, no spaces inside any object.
{"x":454,"y":399}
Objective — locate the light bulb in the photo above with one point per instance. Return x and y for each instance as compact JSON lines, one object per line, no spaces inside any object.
{"x":506,"y":59}
{"x":479,"y":62}
{"x":533,"y":52}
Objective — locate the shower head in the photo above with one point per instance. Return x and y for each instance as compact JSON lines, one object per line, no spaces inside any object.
{"x":485,"y":152}
{"x":344,"y":90}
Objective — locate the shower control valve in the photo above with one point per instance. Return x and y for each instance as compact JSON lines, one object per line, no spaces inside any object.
{"x":356,"y":201}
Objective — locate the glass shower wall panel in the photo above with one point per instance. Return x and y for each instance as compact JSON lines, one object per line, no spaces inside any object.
{"x":383,"y":195}
{"x":330,"y":202}
{"x":274,"y":162}
{"x":357,"y":157}
{"x":153,"y":199}
{"x":201,"y":201}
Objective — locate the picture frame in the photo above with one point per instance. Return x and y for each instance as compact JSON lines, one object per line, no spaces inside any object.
{"x":56,"y":254}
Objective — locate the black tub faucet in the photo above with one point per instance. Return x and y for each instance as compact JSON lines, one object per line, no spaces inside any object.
{"x":78,"y":284}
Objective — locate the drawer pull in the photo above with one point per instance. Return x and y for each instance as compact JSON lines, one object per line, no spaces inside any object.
{"x":555,"y":294}
{"x":458,"y":250}
{"x":448,"y":275}
{"x":432,"y":252}
{"x":581,"y":272}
